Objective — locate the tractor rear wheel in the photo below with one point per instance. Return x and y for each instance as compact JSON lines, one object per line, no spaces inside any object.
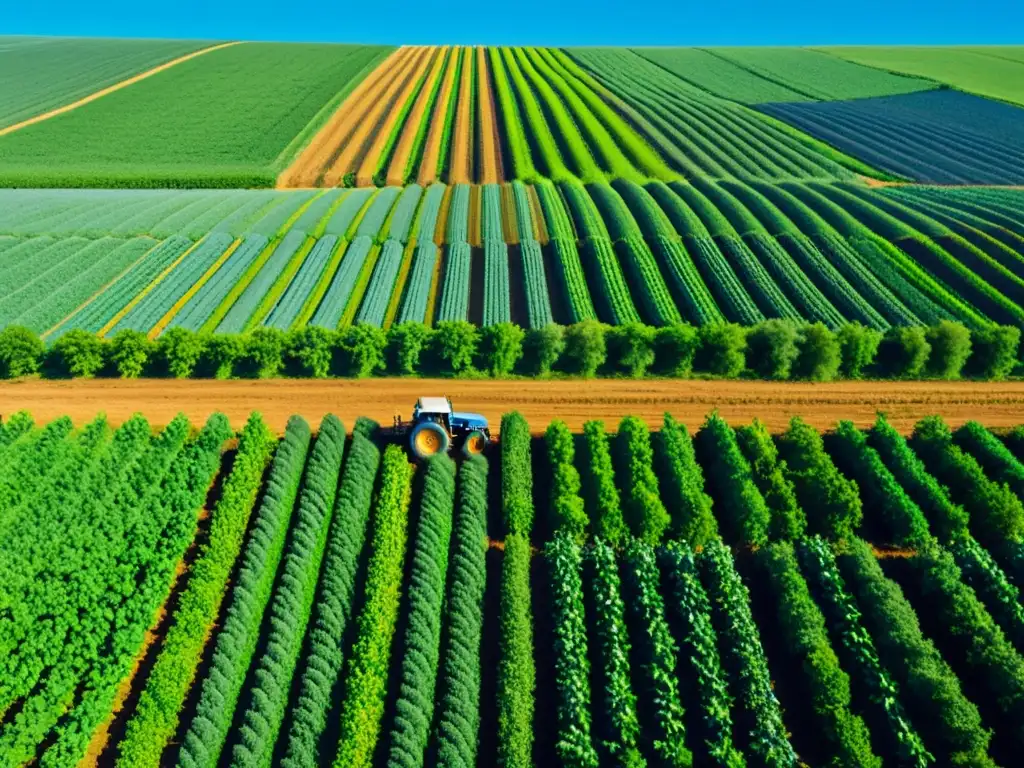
{"x":474,"y":443}
{"x":428,"y":439}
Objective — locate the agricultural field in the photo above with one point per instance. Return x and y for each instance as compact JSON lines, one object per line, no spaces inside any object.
{"x":682,"y":594}
{"x":223,"y":261}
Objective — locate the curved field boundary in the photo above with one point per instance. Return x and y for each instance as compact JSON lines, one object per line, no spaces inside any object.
{"x":432,"y":151}
{"x":489,"y":150}
{"x":306,"y":169}
{"x":995,"y":404}
{"x":116,"y":87}
{"x":407,"y":143}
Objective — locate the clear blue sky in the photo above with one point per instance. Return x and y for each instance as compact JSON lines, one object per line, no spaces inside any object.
{"x":542,"y":22}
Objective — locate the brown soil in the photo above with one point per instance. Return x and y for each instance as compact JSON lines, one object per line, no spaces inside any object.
{"x":996,"y":404}
{"x":461,"y":144}
{"x":404,"y":146}
{"x":432,"y":148}
{"x":490,"y":142}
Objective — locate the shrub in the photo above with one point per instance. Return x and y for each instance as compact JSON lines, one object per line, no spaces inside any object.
{"x":362,"y":348}
{"x":312,"y":350}
{"x":631,"y":348}
{"x":769,"y":473}
{"x":682,"y":481}
{"x":516,"y":670}
{"x":264,"y":353}
{"x":130,"y":352}
{"x":543,"y":347}
{"x":645,"y":513}
{"x":178,"y":351}
{"x":951,"y":346}
{"x":77,"y":353}
{"x":516,"y":474}
{"x":821,"y":353}
{"x":406,"y":344}
{"x":772,"y":349}
{"x":585,"y":347}
{"x":455,"y":343}
{"x":501,"y":347}
{"x":723,"y":348}
{"x":994,"y":351}
{"x":567,"y":511}
{"x":220,"y":353}
{"x":602,"y":495}
{"x":675,"y":347}
{"x":904,"y":352}
{"x":858,"y":347}
{"x":21,"y":352}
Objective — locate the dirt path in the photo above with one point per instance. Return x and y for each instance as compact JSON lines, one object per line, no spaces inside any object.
{"x":994,"y":404}
{"x":110,"y":89}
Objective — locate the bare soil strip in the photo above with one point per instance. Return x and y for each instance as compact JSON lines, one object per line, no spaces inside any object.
{"x":995,"y":404}
{"x":490,"y":143}
{"x":461,"y":144}
{"x":403,"y":149}
{"x":432,"y":150}
{"x":307,"y":167}
{"x":115,"y":87}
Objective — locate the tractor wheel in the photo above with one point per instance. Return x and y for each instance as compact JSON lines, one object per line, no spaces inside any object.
{"x":428,"y":439}
{"x":474,"y":443}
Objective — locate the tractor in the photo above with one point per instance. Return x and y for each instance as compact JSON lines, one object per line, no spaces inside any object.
{"x":436,"y":427}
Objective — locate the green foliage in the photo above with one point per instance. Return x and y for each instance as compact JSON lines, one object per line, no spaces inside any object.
{"x":567,"y":510}
{"x":769,"y":473}
{"x":455,"y":344}
{"x":362,"y":708}
{"x":996,"y":514}
{"x":585,"y":347}
{"x":616,"y":722}
{"x":21,"y":352}
{"x":157,"y":714}
{"x":363,"y":347}
{"x":501,"y":347}
{"x":334,"y":605}
{"x":130,"y":353}
{"x":428,"y":569}
{"x":631,"y":348}
{"x":682,"y":483}
{"x":220,"y":353}
{"x":883,"y":495}
{"x":292,"y":603}
{"x":904,"y":353}
{"x":746,"y":516}
{"x":989,"y":581}
{"x":600,"y":492}
{"x":699,"y":643}
{"x":646,"y":515}
{"x":312,"y":349}
{"x":572,"y":668}
{"x":264,"y":353}
{"x":858,"y":348}
{"x":772,"y":349}
{"x":832,"y":501}
{"x":950,"y":348}
{"x":543,"y":347}
{"x":458,"y":710}
{"x":723,"y":348}
{"x":178,"y":351}
{"x":656,"y":651}
{"x":994,"y":351}
{"x":995,"y":458}
{"x":805,"y":639}
{"x":516,"y":671}
{"x":744,"y":659}
{"x":516,"y":474}
{"x":930,"y":690}
{"x":821,"y":353}
{"x":675,"y":347}
{"x":406,"y":343}
{"x":860,"y":656}
{"x":77,"y":353}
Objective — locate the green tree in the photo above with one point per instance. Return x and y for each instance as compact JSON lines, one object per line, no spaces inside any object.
{"x":820,"y":353}
{"x":312,"y":349}
{"x":723,"y":349}
{"x":585,"y":347}
{"x":772,"y":349}
{"x":21,"y":352}
{"x":951,"y":346}
{"x":454,"y":345}
{"x":995,"y":351}
{"x":858,"y":347}
{"x":904,"y":353}
{"x":130,"y":352}
{"x":178,"y":351}
{"x":77,"y":353}
{"x":674,"y":349}
{"x":406,"y":343}
{"x":220,"y":353}
{"x":363,"y":346}
{"x":264,"y":353}
{"x":501,"y":347}
{"x":543,"y":347}
{"x":631,"y":347}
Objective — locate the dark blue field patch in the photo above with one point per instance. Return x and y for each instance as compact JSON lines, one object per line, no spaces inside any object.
{"x":938,"y":137}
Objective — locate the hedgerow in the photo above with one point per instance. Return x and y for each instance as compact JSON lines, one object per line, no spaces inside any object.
{"x":769,"y":473}
{"x":645,"y":512}
{"x":516,"y":474}
{"x":682,"y":481}
{"x":601,"y":493}
{"x":567,"y":510}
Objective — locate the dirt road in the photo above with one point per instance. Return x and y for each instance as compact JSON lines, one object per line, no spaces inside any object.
{"x":994,"y":404}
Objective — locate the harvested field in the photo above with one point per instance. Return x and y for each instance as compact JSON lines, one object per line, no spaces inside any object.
{"x":998,"y":404}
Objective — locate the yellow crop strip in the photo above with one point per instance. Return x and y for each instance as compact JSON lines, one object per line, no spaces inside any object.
{"x":440,"y":229}
{"x":490,"y":170}
{"x":157,"y":329}
{"x":461,"y":144}
{"x":145,"y":291}
{"x":475,"y":204}
{"x":115,"y":87}
{"x":404,"y":148}
{"x":359,"y":290}
{"x":307,"y":168}
{"x":280,"y":285}
{"x":399,"y":289}
{"x":98,"y":293}
{"x":355,"y":148}
{"x":432,"y":149}
{"x":435,"y":286}
{"x":509,"y":218}
{"x":540,"y":226}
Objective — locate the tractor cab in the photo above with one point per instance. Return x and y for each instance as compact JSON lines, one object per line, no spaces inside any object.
{"x":436,"y":427}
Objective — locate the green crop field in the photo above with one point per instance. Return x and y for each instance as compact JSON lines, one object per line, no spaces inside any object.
{"x":696,"y":594}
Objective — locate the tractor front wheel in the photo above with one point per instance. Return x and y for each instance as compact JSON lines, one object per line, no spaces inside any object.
{"x":474,"y":443}
{"x":428,"y":439}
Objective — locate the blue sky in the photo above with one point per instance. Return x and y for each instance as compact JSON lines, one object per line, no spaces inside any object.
{"x":542,"y":22}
